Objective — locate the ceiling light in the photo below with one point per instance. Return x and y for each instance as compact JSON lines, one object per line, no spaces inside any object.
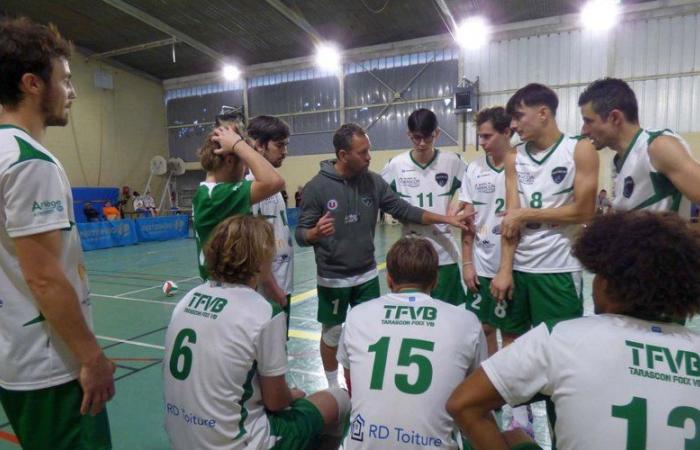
{"x":600,"y":15}
{"x":328,"y":57}
{"x":473,"y":33}
{"x":230,"y":72}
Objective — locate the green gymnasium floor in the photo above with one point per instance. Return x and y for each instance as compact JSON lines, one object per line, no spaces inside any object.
{"x":131,"y":315}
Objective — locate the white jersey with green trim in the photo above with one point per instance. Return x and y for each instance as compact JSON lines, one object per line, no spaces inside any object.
{"x":616,"y":382}
{"x":220,"y":339}
{"x":406,"y":353}
{"x":484,"y":187}
{"x":546,"y":180}
{"x":35,"y":198}
{"x":431,"y":187}
{"x":638,"y":185}
{"x":274,"y":211}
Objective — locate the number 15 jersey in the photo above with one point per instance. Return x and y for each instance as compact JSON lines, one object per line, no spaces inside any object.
{"x":406,"y":353}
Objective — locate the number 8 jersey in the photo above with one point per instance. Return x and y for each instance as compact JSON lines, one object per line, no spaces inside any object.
{"x":546,"y":180}
{"x":406,"y":353}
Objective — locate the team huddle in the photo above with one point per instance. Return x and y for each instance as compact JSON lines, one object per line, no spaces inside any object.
{"x":421,"y":364}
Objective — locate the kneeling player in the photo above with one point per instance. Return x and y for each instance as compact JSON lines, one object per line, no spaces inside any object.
{"x":225,"y":359}
{"x":625,"y":378}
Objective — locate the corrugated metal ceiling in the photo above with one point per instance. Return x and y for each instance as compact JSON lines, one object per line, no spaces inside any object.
{"x":252,"y":31}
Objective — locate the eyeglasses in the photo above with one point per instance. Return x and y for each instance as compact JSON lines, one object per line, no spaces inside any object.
{"x":417,"y":138}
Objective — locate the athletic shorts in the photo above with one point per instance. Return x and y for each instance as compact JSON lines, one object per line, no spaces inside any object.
{"x":449,"y":287}
{"x":544,"y":297}
{"x":297,"y":427}
{"x":50,"y":419}
{"x":333,"y":302}
{"x":490,"y":311}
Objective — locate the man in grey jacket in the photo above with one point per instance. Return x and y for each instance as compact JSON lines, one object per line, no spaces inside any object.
{"x":338,"y":218}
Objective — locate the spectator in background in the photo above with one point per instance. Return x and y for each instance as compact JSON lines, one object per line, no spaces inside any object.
{"x":124,"y":201}
{"x":285,"y":197}
{"x":91,"y":214}
{"x":602,"y":203}
{"x":297,"y":197}
{"x":110,"y":212}
{"x":150,"y":204}
{"x":139,"y":206}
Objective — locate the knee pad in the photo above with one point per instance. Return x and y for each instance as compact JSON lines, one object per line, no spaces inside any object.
{"x":330,"y":334}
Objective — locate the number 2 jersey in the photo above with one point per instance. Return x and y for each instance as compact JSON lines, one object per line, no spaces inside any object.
{"x":406,"y":353}
{"x":546,"y":180}
{"x":430,"y":187}
{"x":220,"y":339}
{"x":616,"y":382}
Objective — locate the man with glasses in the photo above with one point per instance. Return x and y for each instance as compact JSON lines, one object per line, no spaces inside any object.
{"x":428,"y":178}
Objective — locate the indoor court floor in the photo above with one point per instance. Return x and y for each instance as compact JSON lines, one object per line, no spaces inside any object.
{"x":131,"y":315}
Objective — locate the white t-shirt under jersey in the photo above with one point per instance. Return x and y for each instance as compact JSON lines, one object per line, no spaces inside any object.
{"x":274,"y":211}
{"x":613,"y":379}
{"x":484,"y":187}
{"x":219,"y":340}
{"x":406,"y":353}
{"x":430,"y":187}
{"x":638,"y":185}
{"x":35,"y":198}
{"x":546,"y":180}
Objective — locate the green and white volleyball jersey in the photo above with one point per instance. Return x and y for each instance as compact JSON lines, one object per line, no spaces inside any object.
{"x":35,"y":198}
{"x":638,"y":185}
{"x":274,"y":211}
{"x":430,"y":187}
{"x":641,"y":392}
{"x":406,"y":353}
{"x":212,"y":203}
{"x":484,"y":187}
{"x":546,"y":180}
{"x":221,"y":337}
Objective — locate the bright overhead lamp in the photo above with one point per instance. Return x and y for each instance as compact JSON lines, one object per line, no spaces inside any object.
{"x":231,"y":72}
{"x":473,"y":33}
{"x":600,"y":15}
{"x":328,"y":57}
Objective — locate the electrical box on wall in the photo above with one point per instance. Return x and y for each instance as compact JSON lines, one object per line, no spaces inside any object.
{"x":467,"y":96}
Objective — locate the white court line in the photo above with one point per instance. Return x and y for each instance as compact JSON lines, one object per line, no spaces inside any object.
{"x":141,"y":300}
{"x":138,"y":344}
{"x":154,"y":287}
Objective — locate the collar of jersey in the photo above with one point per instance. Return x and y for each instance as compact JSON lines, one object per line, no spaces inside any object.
{"x":629,"y":148}
{"x":548,"y":153}
{"x":5,"y":126}
{"x":223,"y":284}
{"x":488,"y":163}
{"x":410,"y":292}
{"x":410,"y":155}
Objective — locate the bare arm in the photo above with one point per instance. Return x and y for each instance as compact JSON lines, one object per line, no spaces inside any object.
{"x":669,"y":156}
{"x":267,"y":180}
{"x":581,"y":210}
{"x":468,"y":270}
{"x":272,"y":289}
{"x":502,"y":284}
{"x":276,"y":395}
{"x":39,"y":258}
{"x":471,"y":405}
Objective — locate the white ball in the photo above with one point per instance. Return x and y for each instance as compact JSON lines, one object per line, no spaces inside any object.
{"x":169,"y":288}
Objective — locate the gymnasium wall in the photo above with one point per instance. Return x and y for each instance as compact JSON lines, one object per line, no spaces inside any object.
{"x":112,"y":134}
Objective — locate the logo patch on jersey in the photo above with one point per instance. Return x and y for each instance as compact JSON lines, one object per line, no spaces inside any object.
{"x":558,"y":174}
{"x":628,"y":187}
{"x":485,"y":243}
{"x":485,"y":187}
{"x":332,"y":204}
{"x":533,"y":226}
{"x":357,"y":429}
{"x":496,"y":230}
{"x":367,"y":201}
{"x":205,"y":306}
{"x":526,"y":178}
{"x":441,"y":179}
{"x":47,"y":207}
{"x":411,"y":182}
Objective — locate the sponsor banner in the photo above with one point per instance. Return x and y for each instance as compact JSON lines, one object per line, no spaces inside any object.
{"x":161,"y":228}
{"x":116,"y":233}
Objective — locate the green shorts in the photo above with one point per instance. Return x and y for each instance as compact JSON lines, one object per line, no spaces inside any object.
{"x":333,"y":302}
{"x":50,"y":419}
{"x":297,"y":427}
{"x":540,"y":297}
{"x":488,"y":310}
{"x":449,"y":287}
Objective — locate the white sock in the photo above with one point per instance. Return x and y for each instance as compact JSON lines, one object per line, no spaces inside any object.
{"x":332,"y":378}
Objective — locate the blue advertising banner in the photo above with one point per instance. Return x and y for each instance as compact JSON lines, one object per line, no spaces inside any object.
{"x":162,"y":228}
{"x":96,"y":235}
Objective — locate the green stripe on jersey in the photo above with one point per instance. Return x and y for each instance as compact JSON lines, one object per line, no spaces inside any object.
{"x":247,"y":394}
{"x":28,"y":152}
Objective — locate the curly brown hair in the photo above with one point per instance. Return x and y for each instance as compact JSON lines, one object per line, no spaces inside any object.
{"x":649,"y":260}
{"x":209,"y":160}
{"x":27,"y":47}
{"x":413,"y":261}
{"x":238,"y":248}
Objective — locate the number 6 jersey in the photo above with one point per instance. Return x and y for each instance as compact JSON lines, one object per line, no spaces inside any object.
{"x":406,"y":353}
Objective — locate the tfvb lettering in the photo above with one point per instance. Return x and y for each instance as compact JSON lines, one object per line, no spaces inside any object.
{"x":654,"y":357}
{"x":207,"y":303}
{"x":410,"y":312}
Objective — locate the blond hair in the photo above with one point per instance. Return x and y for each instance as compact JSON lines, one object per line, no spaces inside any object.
{"x":238,"y":248}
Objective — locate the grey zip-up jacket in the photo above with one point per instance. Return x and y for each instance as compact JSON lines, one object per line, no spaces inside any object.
{"x":354,"y":204}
